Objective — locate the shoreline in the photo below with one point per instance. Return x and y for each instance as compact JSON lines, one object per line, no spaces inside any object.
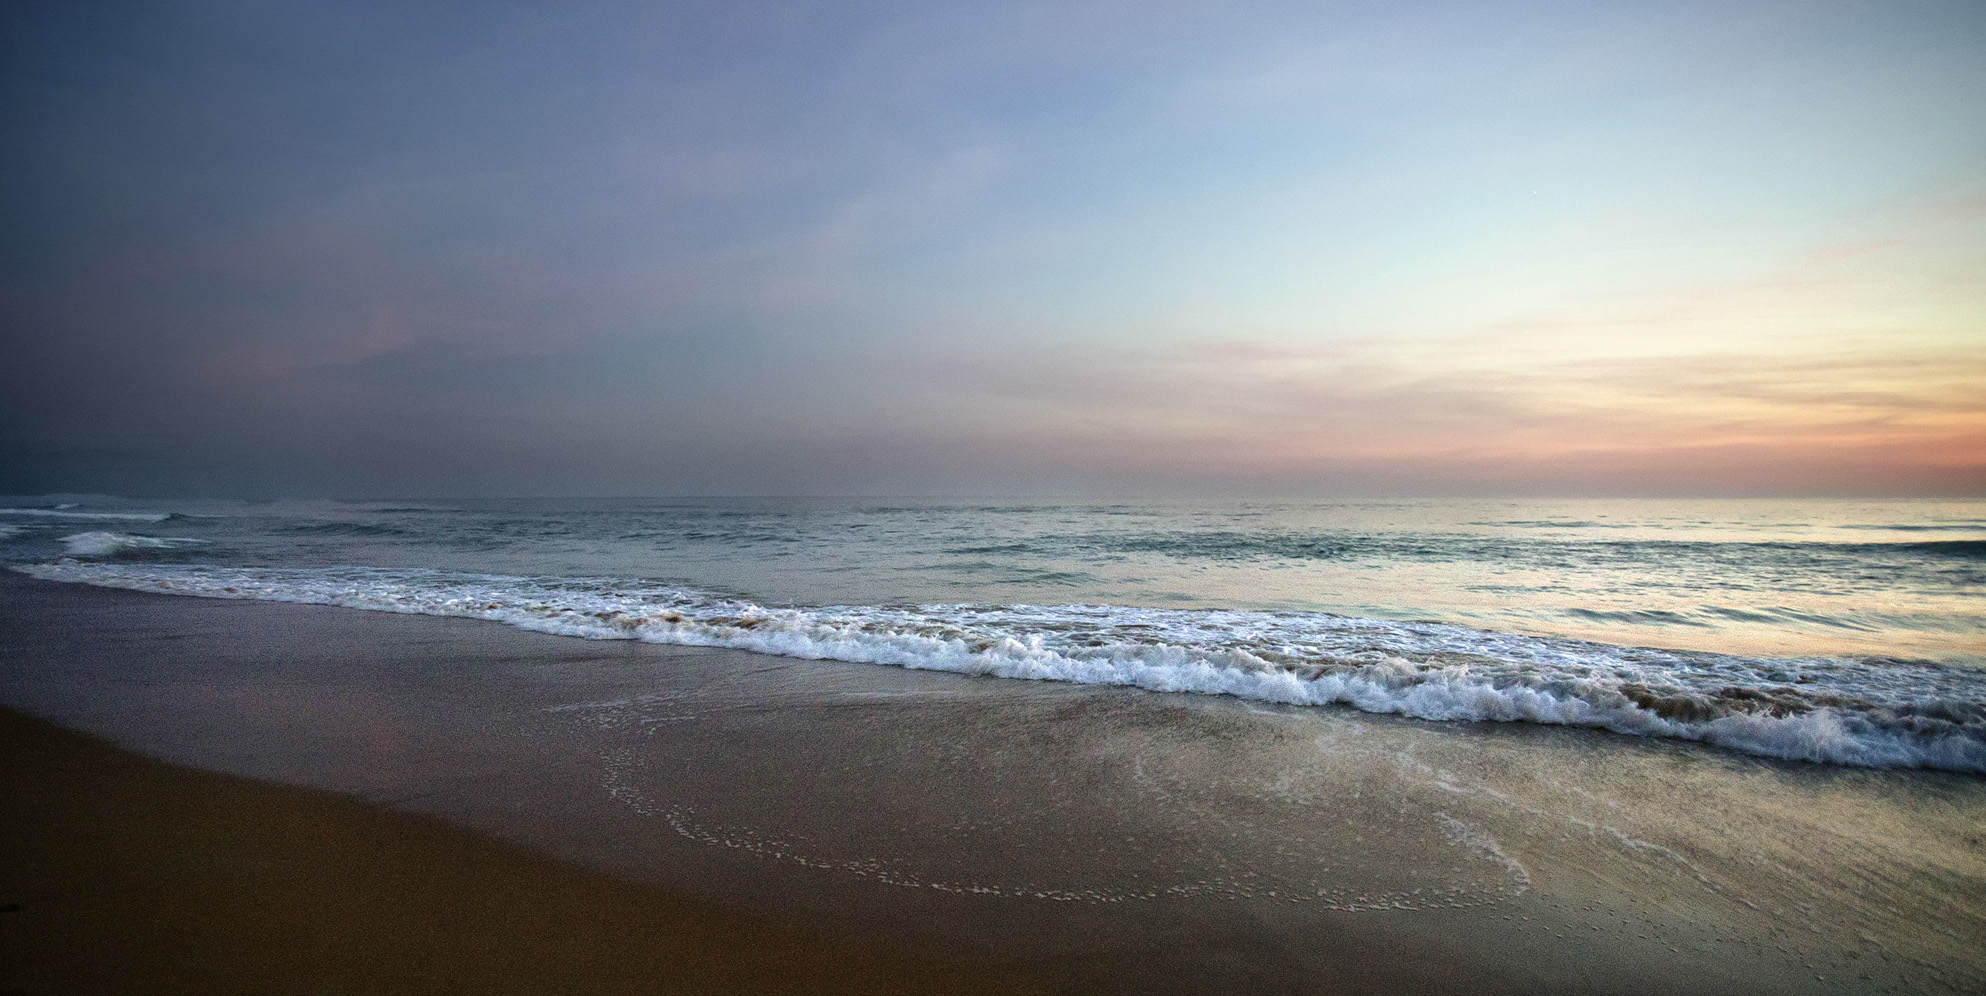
{"x":1823,"y":712}
{"x":1058,"y":838}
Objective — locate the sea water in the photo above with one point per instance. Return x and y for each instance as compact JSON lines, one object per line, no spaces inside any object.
{"x":1845,"y":632}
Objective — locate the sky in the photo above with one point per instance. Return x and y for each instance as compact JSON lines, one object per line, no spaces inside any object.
{"x":1299,"y":249}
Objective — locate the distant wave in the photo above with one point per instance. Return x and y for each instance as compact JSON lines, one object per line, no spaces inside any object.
{"x":1559,"y":524}
{"x":1960,"y":549}
{"x":349,"y":529}
{"x":1965,"y":526}
{"x":65,"y":513}
{"x":1637,"y":617}
{"x":1866,"y":621}
{"x":1864,"y":712}
{"x":1452,"y":547}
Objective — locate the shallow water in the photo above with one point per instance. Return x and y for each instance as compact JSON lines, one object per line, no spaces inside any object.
{"x":1838,"y":631}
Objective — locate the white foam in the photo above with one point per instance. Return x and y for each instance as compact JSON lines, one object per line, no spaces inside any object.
{"x":102,"y":544}
{"x":9,"y":532}
{"x":65,"y":513}
{"x":1865,"y":713}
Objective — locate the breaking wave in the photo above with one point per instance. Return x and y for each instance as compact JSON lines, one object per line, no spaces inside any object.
{"x":1863,"y":712}
{"x":102,"y":544}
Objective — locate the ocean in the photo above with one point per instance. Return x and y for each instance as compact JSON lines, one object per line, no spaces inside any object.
{"x":1841,"y":632}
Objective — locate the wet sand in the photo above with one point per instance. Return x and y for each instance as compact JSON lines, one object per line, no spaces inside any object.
{"x":1027,"y":835}
{"x":124,"y":875}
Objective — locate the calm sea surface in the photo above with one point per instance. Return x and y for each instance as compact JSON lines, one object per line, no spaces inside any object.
{"x":1842,"y":631}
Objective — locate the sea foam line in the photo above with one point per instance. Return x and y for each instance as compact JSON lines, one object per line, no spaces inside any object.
{"x":1839,"y":712}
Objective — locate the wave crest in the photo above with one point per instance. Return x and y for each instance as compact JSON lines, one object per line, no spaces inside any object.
{"x":1870,"y":713}
{"x":105,"y":544}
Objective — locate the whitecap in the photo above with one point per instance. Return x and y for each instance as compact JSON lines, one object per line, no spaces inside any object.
{"x":1834,"y":710}
{"x":102,"y":544}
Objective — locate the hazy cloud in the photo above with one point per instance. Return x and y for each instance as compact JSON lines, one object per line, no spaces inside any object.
{"x":794,"y":246}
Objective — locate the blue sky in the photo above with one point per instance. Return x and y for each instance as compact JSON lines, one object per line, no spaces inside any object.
{"x":874,"y":248}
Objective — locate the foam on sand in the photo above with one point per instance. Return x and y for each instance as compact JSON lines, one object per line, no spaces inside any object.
{"x":1863,"y":712}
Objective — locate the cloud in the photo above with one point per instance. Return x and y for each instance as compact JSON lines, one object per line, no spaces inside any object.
{"x":1272,"y":410}
{"x":879,"y":245}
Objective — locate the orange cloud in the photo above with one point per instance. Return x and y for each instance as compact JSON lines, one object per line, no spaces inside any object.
{"x":1853,"y":419}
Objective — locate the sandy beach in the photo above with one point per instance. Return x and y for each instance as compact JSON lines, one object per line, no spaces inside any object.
{"x":396,"y":803}
{"x":123,"y":875}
